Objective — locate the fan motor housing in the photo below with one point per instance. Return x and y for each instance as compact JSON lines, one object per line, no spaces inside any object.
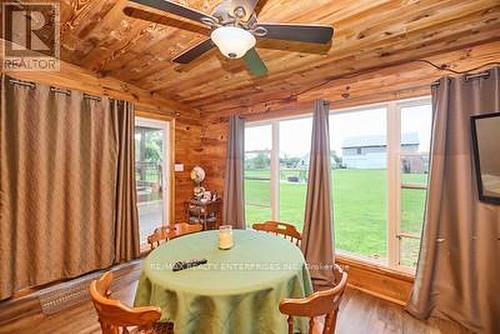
{"x":229,"y":11}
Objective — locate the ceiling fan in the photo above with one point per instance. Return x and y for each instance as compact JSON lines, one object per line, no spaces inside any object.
{"x":234,"y":29}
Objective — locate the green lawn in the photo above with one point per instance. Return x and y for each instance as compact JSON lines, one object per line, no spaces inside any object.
{"x":360,"y":208}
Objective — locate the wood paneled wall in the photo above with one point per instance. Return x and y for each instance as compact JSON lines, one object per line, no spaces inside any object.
{"x":186,"y":120}
{"x":213,"y":152}
{"x":187,"y":152}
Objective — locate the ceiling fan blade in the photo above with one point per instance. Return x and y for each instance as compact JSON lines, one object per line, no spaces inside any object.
{"x":321,"y":34}
{"x":149,"y":16}
{"x":248,"y":4}
{"x":176,"y":9}
{"x":259,"y":5}
{"x":254,"y":63}
{"x":191,"y":54}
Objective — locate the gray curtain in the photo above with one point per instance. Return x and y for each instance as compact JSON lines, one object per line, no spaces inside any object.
{"x":62,"y":172}
{"x":234,"y":193}
{"x":126,"y":240}
{"x":458,"y":274}
{"x":317,"y":242}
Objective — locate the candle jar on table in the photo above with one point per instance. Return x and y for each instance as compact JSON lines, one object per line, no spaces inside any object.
{"x":226,"y":237}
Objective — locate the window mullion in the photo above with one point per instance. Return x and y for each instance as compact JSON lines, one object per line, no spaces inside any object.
{"x":275,"y":171}
{"x":393,"y":182}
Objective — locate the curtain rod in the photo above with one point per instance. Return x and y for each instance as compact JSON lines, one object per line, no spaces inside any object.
{"x":57,"y":90}
{"x":67,"y":92}
{"x":92,"y":97}
{"x":60,"y":91}
{"x":482,"y":75}
{"x":29,"y":84}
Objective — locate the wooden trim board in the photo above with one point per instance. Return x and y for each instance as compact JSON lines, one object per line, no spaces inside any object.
{"x":376,"y":280}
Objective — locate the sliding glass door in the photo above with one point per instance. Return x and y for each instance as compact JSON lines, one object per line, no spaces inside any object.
{"x":152,"y":172}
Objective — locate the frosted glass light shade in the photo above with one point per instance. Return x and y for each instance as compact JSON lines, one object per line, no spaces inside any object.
{"x":233,"y":42}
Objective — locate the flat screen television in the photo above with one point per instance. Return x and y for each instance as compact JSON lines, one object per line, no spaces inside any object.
{"x":486,"y":150}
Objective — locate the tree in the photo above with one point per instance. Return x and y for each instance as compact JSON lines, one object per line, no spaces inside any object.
{"x":288,"y":162}
{"x":154,"y":141}
{"x":153,"y":152}
{"x":260,"y":161}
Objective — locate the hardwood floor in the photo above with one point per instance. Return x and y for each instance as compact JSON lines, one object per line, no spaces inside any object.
{"x":362,"y":313}
{"x":359,"y":314}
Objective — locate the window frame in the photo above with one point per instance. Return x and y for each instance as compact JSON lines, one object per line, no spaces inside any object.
{"x":395,"y":235}
{"x":274,"y":194}
{"x":275,"y":157}
{"x":394,"y":183}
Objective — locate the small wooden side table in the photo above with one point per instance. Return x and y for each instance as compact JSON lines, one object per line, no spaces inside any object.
{"x":205,"y":213}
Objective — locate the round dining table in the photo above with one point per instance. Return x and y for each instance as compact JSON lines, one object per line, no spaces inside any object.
{"x":236,"y":291}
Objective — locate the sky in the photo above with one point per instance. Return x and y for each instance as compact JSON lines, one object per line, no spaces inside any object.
{"x":295,"y":135}
{"x":355,"y":124}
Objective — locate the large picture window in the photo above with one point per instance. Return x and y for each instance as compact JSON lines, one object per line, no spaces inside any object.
{"x":380,"y":162}
{"x":358,"y":144}
{"x":258,"y":145}
{"x":276,"y":167}
{"x":294,"y":147}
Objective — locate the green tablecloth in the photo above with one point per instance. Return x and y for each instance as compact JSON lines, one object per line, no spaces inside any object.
{"x":237,"y":291}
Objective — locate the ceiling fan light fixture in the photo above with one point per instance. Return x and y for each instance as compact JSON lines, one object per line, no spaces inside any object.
{"x":233,"y":42}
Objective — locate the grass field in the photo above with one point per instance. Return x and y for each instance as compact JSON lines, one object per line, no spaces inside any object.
{"x":360,"y":208}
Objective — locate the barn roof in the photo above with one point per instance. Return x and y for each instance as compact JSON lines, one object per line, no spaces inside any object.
{"x":379,"y":140}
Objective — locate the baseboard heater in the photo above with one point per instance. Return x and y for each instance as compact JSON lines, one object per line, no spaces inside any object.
{"x":57,"y":298}
{"x":63,"y":295}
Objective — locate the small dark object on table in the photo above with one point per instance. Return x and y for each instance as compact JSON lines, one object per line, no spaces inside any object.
{"x":181,"y":265}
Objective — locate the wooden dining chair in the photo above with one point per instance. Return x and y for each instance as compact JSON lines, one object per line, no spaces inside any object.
{"x":116,"y":318}
{"x":159,"y":235}
{"x":279,"y":228}
{"x":320,"y":304}
{"x":169,"y":232}
{"x":184,"y":228}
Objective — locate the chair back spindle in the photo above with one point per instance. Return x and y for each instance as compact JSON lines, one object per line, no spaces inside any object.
{"x":322,"y":303}
{"x":169,"y":232}
{"x":280,"y":228}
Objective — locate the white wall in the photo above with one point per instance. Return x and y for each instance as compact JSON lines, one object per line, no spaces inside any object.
{"x":366,"y":161}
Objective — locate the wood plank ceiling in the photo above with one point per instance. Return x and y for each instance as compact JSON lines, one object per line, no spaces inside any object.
{"x":369,"y":34}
